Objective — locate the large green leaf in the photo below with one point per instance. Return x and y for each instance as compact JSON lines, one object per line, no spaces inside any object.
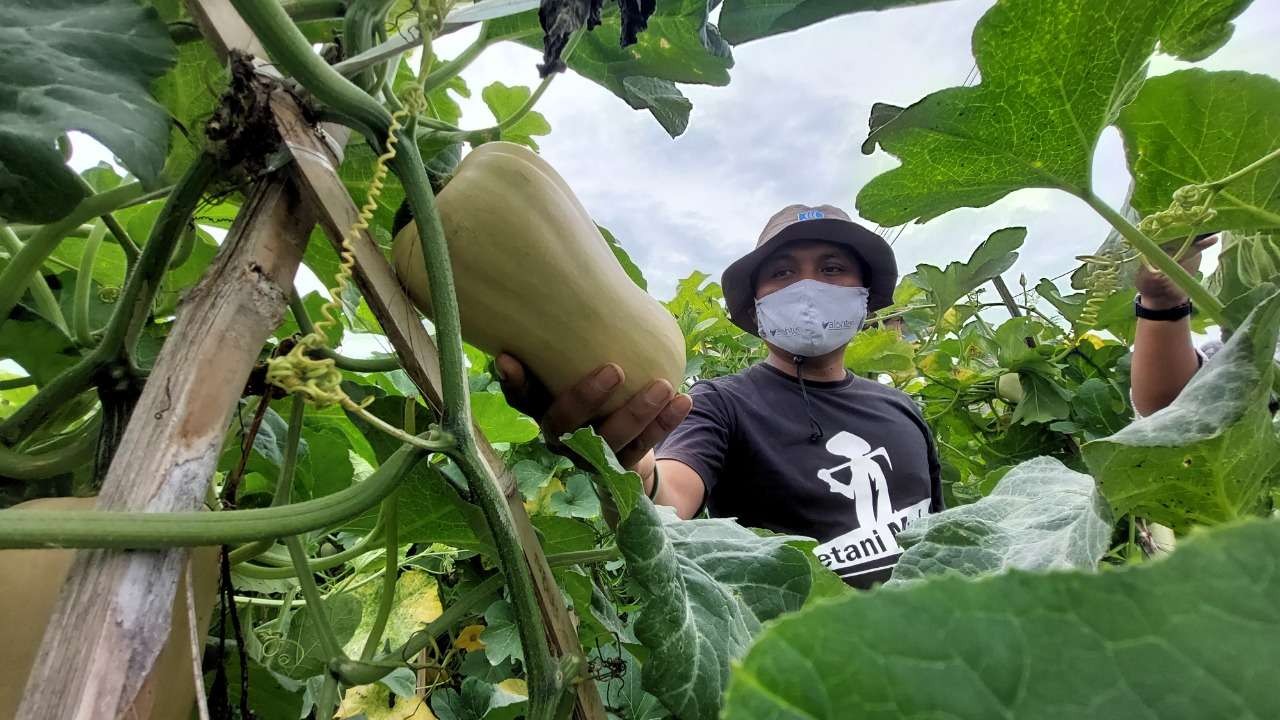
{"x":1209,"y":457}
{"x":1194,"y":636}
{"x":995,"y":255}
{"x":1247,"y":260}
{"x":432,"y":511}
{"x":1041,"y":516}
{"x":190,"y":91}
{"x":707,"y":587}
{"x":744,"y":20}
{"x":877,"y":350}
{"x":76,"y":65}
{"x":1193,"y":127}
{"x":1055,"y":73}
{"x":504,"y":101}
{"x":678,"y":46}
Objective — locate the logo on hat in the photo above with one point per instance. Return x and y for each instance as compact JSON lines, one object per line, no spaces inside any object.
{"x":810,"y":215}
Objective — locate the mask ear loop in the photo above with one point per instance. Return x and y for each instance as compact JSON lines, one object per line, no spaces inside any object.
{"x":817,"y":433}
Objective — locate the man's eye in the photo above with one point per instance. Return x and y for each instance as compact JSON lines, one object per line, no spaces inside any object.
{"x":779,"y":274}
{"x":833,"y":269}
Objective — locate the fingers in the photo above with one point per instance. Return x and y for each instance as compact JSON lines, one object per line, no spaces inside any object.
{"x":522,"y":391}
{"x":627,"y":422}
{"x":674,"y":413}
{"x":582,"y":402}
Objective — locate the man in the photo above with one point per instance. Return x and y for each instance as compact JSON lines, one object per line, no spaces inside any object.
{"x":794,"y":444}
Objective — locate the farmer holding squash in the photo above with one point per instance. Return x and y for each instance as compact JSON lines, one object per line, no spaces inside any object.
{"x":796,"y":443}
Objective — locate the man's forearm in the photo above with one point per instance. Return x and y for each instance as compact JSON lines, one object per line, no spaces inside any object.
{"x":1164,"y":360}
{"x":679,"y":486}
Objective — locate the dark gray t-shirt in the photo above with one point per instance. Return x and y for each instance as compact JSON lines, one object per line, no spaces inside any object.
{"x":873,"y":471}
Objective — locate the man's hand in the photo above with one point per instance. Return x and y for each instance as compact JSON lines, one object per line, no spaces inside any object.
{"x":631,"y":431}
{"x":1157,"y":290}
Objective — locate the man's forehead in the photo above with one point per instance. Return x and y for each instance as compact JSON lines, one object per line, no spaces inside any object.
{"x":819,"y":248}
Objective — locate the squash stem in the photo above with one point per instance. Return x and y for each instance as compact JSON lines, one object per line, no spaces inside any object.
{"x":27,"y":261}
{"x":387,"y":597}
{"x":360,"y":365}
{"x":155,"y":530}
{"x":291,"y":52}
{"x":1160,"y":260}
{"x":46,"y":303}
{"x":83,"y":333}
{"x":133,"y":307}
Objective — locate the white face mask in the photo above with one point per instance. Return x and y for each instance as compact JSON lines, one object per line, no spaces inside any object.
{"x":810,"y":317}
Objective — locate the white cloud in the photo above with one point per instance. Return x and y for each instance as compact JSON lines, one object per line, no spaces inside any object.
{"x":788,"y":129}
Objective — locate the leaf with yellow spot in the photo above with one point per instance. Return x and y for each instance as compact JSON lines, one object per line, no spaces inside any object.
{"x":469,"y":638}
{"x":374,"y":702}
{"x":417,"y":602}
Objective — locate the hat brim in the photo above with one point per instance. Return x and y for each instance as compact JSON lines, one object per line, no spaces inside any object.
{"x":739,"y":290}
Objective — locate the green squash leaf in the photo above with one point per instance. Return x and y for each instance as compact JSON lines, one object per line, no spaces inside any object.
{"x":82,"y":65}
{"x":877,"y":350}
{"x":745,"y":20}
{"x":996,"y":254}
{"x":504,"y":101}
{"x":501,"y":423}
{"x":1041,"y":516}
{"x":501,"y":637}
{"x":707,"y":587}
{"x":628,"y":265}
{"x":578,"y":499}
{"x":300,"y":654}
{"x":624,"y":486}
{"x":1159,"y":640}
{"x":1055,"y":73}
{"x":1043,"y":399}
{"x":1192,"y":127}
{"x":1210,"y":457}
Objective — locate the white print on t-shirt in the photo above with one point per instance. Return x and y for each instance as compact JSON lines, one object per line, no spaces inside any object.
{"x":875,"y":538}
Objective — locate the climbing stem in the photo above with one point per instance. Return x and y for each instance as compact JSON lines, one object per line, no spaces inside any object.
{"x":361,"y":365}
{"x":388,"y":594}
{"x":83,"y":333}
{"x":317,"y":615}
{"x":1217,"y":185}
{"x":291,"y":53}
{"x":15,"y":383}
{"x":27,"y":261}
{"x":49,"y":463}
{"x":46,"y":303}
{"x":319,"y":564}
{"x":132,"y":309}
{"x":449,"y":70}
{"x":153,"y":530}
{"x":1160,"y":260}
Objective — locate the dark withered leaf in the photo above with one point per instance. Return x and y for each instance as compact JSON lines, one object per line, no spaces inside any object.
{"x":635,"y":18}
{"x":560,"y":19}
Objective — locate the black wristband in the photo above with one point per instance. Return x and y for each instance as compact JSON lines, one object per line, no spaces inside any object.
{"x":1174,"y":313}
{"x":653,"y":492}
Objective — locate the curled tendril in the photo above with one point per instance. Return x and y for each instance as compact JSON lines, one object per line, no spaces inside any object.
{"x":1103,"y":280}
{"x":318,"y":379}
{"x":1191,"y":207}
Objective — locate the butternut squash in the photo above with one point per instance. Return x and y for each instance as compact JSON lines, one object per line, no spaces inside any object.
{"x":30,"y":581}
{"x":536,"y":279}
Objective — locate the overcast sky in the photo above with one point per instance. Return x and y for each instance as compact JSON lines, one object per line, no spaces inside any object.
{"x":788,"y":128}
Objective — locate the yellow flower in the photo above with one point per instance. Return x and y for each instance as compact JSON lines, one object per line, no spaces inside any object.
{"x":469,"y":638}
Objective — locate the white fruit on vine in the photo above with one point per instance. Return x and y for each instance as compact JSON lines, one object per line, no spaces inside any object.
{"x":1009,"y":387}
